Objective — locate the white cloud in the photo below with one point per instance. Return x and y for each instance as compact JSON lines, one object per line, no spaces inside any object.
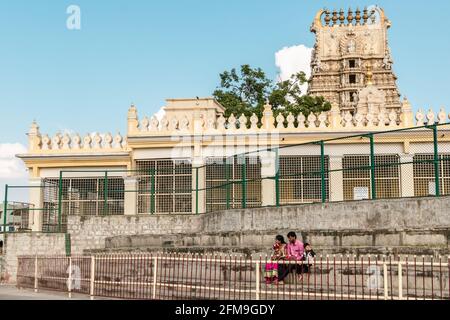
{"x":10,"y":166}
{"x":13,"y":171}
{"x":291,"y":60}
{"x":160,"y":114}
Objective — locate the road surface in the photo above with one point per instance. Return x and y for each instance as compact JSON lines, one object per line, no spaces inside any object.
{"x":10,"y":292}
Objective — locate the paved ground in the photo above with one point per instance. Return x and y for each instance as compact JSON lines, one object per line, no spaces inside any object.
{"x":10,"y":292}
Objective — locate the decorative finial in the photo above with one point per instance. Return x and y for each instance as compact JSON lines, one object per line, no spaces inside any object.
{"x":358,"y":16}
{"x":327,"y":17}
{"x":335,"y":17}
{"x":365,"y":15}
{"x":350,"y":16}
{"x":341,"y":17}
{"x":34,"y":128}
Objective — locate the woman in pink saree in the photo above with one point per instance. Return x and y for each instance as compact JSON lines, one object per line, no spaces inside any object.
{"x":279,"y":253}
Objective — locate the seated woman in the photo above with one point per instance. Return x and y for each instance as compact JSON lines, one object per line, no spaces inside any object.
{"x":273,"y":269}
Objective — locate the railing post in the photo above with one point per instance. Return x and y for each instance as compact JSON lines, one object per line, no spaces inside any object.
{"x":69,"y":280}
{"x":60,"y":186}
{"x":92,"y":280}
{"x":105,"y":194}
{"x":152,"y":191}
{"x":36,"y":274}
{"x":400,"y":281}
{"x":385,"y":280}
{"x":322,"y":171}
{"x":244,"y":183}
{"x":155,"y":269}
{"x":372,"y":167}
{"x":258,"y":282}
{"x":436,"y":161}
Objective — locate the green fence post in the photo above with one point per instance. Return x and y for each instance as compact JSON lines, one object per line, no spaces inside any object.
{"x":105,"y":194}
{"x":227,"y":173}
{"x":5,"y":212}
{"x":244,"y":184}
{"x":196,"y":190}
{"x":372,"y":167}
{"x":277,"y":178}
{"x":322,"y":171}
{"x":436,"y":161}
{"x":152,"y":191}
{"x":60,"y":187}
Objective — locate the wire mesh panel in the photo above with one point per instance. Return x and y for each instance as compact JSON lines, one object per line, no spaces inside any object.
{"x":219,"y":186}
{"x":387,"y":176}
{"x":50,"y":188}
{"x":164,"y":186}
{"x":424,"y":175}
{"x":111,"y":196}
{"x":232,"y":180}
{"x":17,"y":216}
{"x":443,"y":146}
{"x":357,"y":176}
{"x":84,"y":196}
{"x":301,"y":179}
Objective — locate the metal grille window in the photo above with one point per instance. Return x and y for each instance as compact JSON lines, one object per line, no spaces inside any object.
{"x":224,"y":182}
{"x":82,"y":196}
{"x":165,"y":186}
{"x":301,"y":180}
{"x":50,"y":206}
{"x":357,"y":182}
{"x":424,"y":175}
{"x":17,"y":216}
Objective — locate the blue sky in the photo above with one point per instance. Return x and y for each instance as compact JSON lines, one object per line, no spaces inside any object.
{"x":147,"y":51}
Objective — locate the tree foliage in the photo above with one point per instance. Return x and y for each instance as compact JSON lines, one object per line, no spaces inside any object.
{"x":247,"y":92}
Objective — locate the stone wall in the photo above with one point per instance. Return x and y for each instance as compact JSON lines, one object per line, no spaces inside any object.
{"x":22,"y":244}
{"x":415,"y":226}
{"x":91,"y":232}
{"x":386,"y":226}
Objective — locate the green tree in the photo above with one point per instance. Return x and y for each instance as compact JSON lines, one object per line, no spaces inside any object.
{"x":246,"y":93}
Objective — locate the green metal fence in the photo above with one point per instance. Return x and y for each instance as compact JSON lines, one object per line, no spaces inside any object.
{"x":411,"y":162}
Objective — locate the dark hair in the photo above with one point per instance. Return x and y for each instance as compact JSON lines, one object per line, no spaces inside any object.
{"x":280,"y":238}
{"x":292,"y":234}
{"x":306,"y":244}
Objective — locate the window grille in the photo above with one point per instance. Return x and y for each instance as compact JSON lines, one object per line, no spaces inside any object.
{"x":300,"y":179}
{"x":82,"y":196}
{"x":424,"y":175}
{"x":172,"y":186}
{"x":217,"y":190}
{"x":387,"y":175}
{"x":50,"y":206}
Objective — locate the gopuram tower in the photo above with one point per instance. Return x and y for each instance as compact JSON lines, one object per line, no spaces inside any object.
{"x":351,"y":63}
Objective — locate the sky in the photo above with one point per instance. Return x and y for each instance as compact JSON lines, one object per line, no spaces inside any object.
{"x":143,"y":52}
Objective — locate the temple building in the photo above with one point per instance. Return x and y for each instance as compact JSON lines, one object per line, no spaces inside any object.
{"x":175,"y":165}
{"x":347,"y":48}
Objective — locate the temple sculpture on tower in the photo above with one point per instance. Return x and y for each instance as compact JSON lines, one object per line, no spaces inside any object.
{"x":352,"y":63}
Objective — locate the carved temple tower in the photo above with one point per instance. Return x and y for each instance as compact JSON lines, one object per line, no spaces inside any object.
{"x":352,"y":64}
